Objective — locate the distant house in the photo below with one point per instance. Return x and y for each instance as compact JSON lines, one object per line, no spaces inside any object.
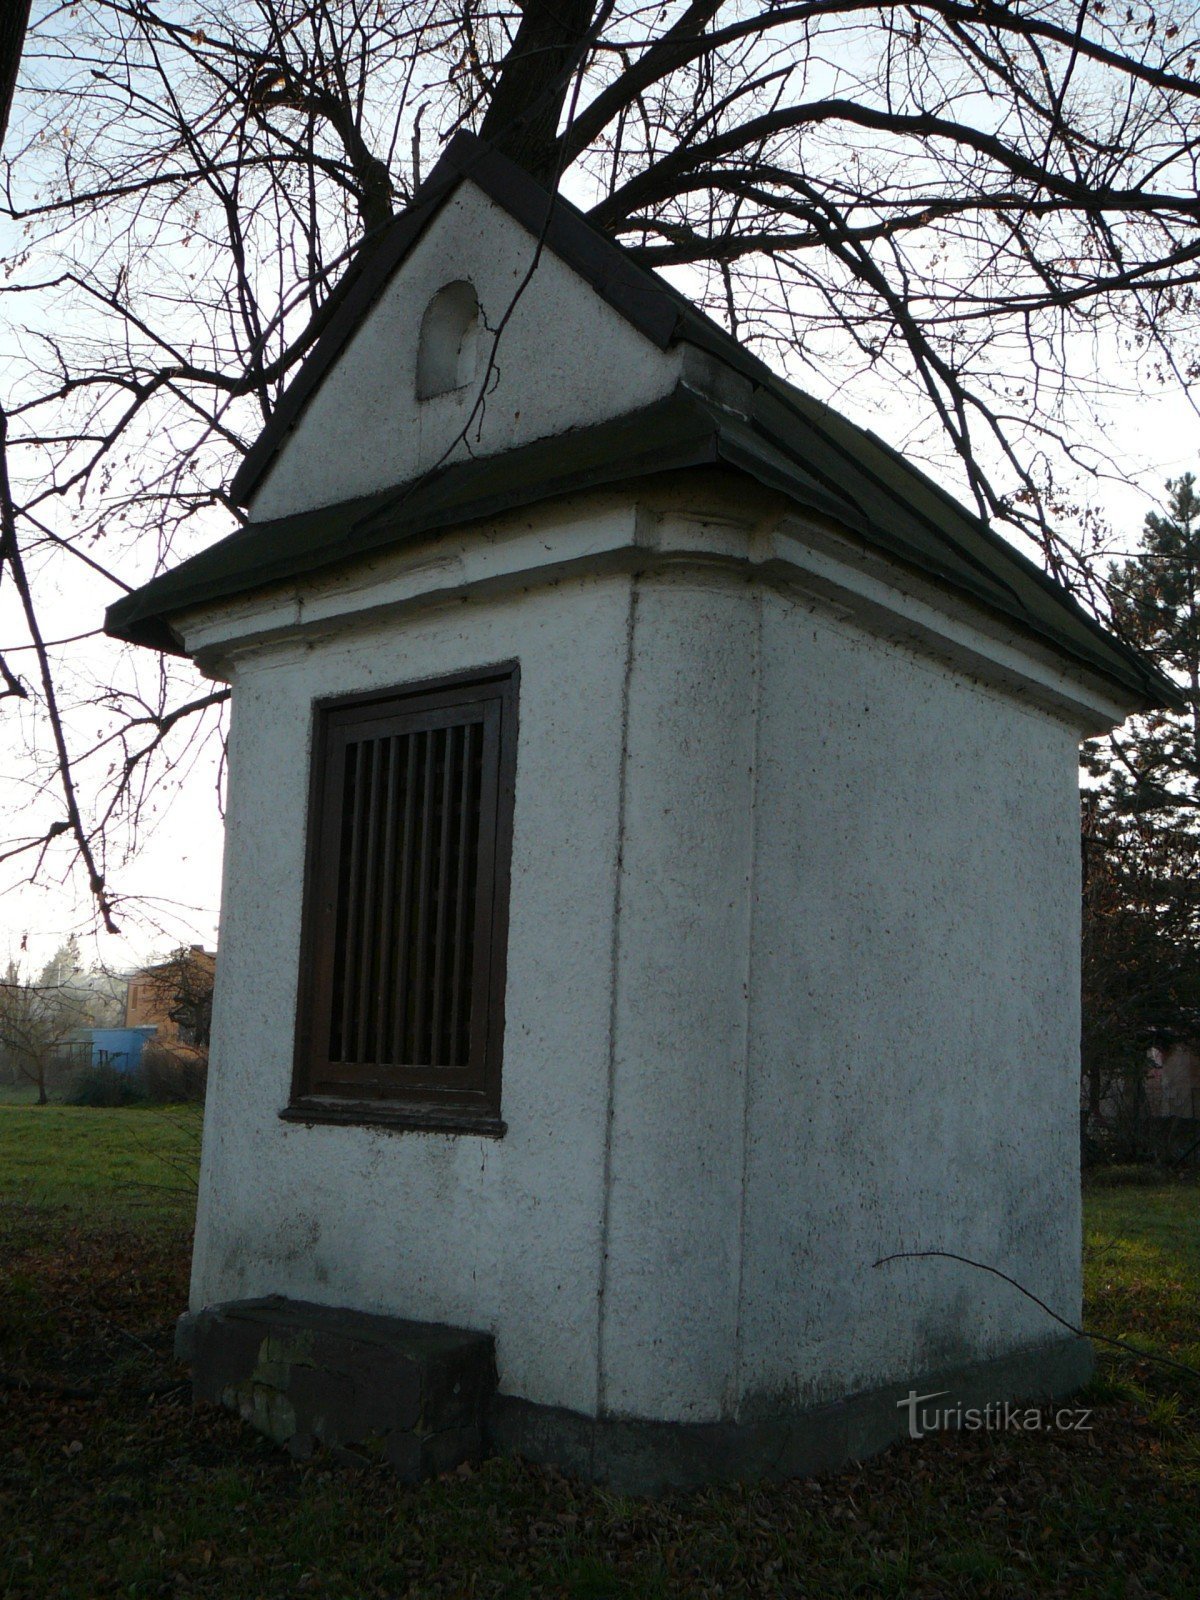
{"x":1155,"y":1112}
{"x":1178,"y":1082}
{"x":174,"y":997}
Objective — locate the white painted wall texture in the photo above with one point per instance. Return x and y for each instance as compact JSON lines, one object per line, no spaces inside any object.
{"x":791,"y":985}
{"x":566,"y":359}
{"x":914,"y":1024}
{"x":465,"y":1230}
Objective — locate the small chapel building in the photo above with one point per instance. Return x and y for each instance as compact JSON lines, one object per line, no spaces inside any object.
{"x":651,"y":889}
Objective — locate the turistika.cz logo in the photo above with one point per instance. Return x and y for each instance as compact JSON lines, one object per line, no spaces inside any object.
{"x":998,"y":1416}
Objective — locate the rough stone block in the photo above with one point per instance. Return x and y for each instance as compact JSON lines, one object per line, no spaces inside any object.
{"x":365,"y":1387}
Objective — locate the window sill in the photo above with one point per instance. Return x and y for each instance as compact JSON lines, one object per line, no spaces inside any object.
{"x":397,"y":1118}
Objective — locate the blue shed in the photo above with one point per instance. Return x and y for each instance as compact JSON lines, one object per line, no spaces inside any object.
{"x":119,"y":1047}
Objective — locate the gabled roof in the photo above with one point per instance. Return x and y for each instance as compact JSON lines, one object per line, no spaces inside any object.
{"x":786,"y":441}
{"x":649,"y":304}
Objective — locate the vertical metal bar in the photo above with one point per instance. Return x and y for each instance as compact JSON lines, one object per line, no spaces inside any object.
{"x":385,"y":995}
{"x":350,"y":926}
{"x":441,"y":918}
{"x":467,"y":824}
{"x":415,"y":744}
{"x":319,"y":1023}
{"x":484,"y":996}
{"x":419,"y":1055}
{"x":368,"y":942}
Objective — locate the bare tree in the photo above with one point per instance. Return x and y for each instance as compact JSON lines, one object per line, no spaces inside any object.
{"x":38,"y":1019}
{"x":981,"y":203}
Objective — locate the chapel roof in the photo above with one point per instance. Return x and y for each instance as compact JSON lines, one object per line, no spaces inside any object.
{"x":783,"y":439}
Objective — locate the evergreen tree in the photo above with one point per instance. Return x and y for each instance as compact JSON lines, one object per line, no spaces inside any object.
{"x":1152,"y":764}
{"x":1140,"y":965}
{"x":1141,"y":829}
{"x":64,"y":967}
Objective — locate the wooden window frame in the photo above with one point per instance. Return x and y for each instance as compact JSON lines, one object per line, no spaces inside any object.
{"x":385,"y":1095}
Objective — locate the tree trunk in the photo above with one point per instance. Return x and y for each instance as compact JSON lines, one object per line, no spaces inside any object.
{"x":14,"y":19}
{"x":535,"y":78}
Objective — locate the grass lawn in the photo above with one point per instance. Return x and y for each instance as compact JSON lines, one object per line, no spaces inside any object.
{"x":110,"y":1484}
{"x":91,"y":1162}
{"x":17,"y":1094}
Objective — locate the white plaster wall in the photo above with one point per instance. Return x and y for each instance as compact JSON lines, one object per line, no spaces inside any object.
{"x":914,"y":1016}
{"x":792,"y":983}
{"x":364,"y":429}
{"x":503,"y":1234}
{"x":669,"y":1327}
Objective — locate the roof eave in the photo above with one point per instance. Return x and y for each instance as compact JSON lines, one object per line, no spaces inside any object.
{"x":680,"y":433}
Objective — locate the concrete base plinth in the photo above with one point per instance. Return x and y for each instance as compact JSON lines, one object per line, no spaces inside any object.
{"x":422,"y":1396}
{"x":639,"y":1457}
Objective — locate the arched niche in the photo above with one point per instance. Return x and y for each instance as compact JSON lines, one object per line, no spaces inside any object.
{"x":448,"y":346}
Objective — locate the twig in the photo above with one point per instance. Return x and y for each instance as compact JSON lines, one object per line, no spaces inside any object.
{"x":1080,"y":1332}
{"x":12,"y":554}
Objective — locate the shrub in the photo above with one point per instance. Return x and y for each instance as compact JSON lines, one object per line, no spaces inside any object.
{"x":170,"y":1077}
{"x":105,"y":1086}
{"x":162,"y":1077}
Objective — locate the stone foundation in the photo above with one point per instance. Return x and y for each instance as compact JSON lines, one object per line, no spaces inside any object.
{"x":365,"y":1387}
{"x":423,"y":1397}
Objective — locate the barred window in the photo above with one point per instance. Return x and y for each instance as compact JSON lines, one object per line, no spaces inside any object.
{"x":401,"y":998}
